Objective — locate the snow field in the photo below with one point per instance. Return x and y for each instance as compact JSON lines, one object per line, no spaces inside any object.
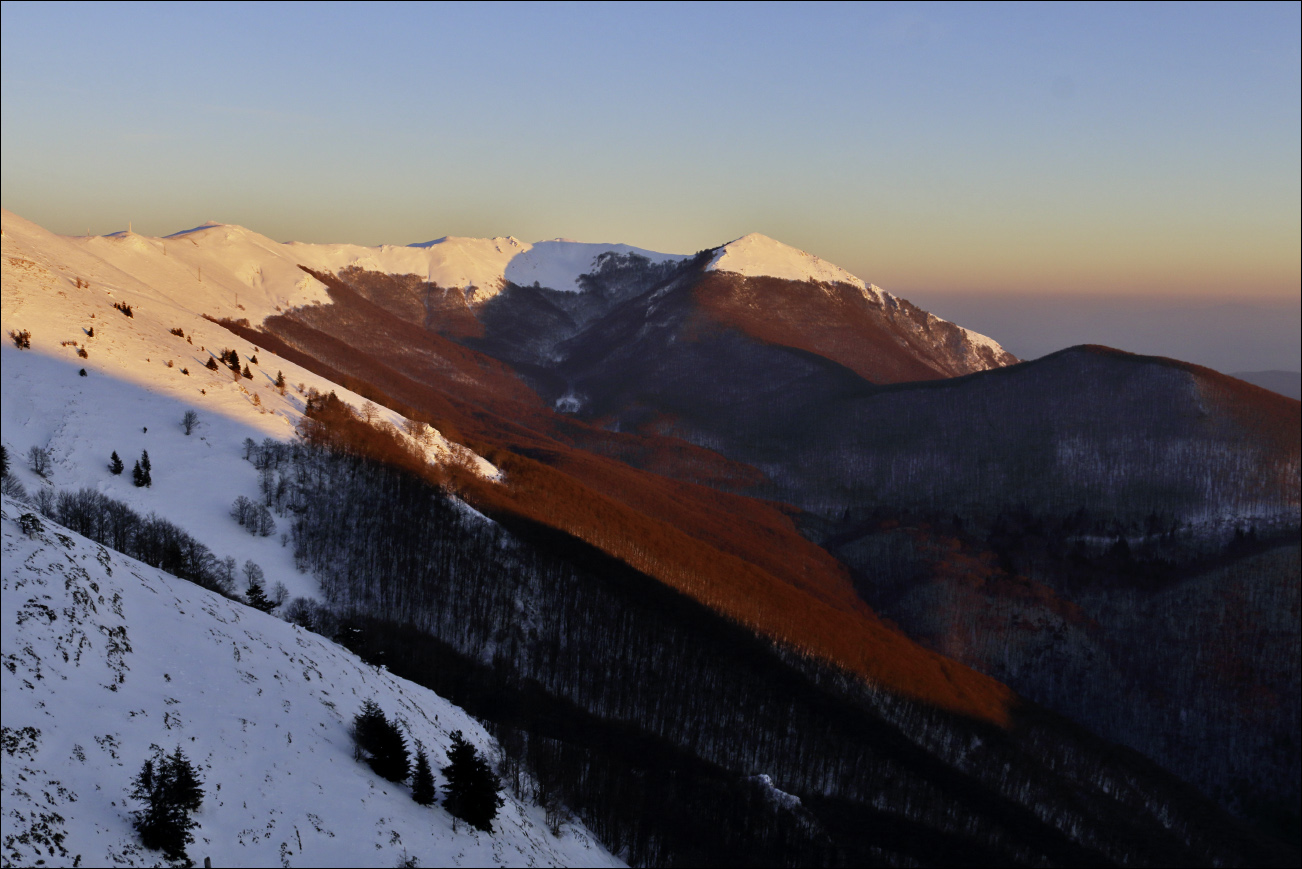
{"x":131,"y":400}
{"x":105,"y":656}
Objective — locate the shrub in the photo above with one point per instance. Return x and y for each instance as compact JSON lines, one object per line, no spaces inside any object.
{"x":39,"y":459}
{"x":22,"y":339}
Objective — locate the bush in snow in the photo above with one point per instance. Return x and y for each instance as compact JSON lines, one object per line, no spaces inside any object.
{"x":189,"y":420}
{"x":22,"y":339}
{"x":39,"y":459}
{"x":13,"y":488}
{"x":30,"y":523}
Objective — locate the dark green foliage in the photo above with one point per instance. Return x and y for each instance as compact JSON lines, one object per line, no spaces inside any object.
{"x":422,"y":780}
{"x":212,"y":364}
{"x":170,"y":789}
{"x":140,"y":473}
{"x":473,"y":789}
{"x":380,"y":743}
{"x":258,"y":599}
{"x":115,"y":465}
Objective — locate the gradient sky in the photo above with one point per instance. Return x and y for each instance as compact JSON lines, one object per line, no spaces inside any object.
{"x":1062,"y":149}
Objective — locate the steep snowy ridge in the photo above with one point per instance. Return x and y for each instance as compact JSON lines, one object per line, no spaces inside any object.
{"x":105,"y":657}
{"x":758,"y":256}
{"x":230,"y":271}
{"x":137,"y":388}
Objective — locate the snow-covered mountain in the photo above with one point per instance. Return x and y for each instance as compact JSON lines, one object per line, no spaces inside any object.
{"x":105,"y":657}
{"x":636,"y":406}
{"x":142,"y":378}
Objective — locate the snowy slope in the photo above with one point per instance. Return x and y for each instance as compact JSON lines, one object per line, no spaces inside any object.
{"x":132,"y":401}
{"x":229,"y":271}
{"x":757,"y":255}
{"x":104,"y":657}
{"x":559,"y":263}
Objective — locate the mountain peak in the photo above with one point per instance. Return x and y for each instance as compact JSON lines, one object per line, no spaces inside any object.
{"x":756,"y":255}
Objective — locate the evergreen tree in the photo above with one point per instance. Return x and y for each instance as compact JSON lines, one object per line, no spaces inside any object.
{"x":212,"y":364}
{"x":422,"y":780}
{"x":4,"y":460}
{"x":170,"y":789}
{"x":247,"y":373}
{"x":280,"y":380}
{"x":257,"y":598}
{"x":380,"y":743}
{"x":473,"y":789}
{"x":137,"y":475}
{"x":146,"y":478}
{"x":115,"y":464}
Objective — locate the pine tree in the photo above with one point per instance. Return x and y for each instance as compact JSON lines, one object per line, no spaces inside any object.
{"x":115,"y":464}
{"x":257,"y":598}
{"x":212,"y":364}
{"x":380,"y":743}
{"x":146,"y":479}
{"x":473,"y":789}
{"x":422,"y":780}
{"x":280,"y":381}
{"x":170,"y":789}
{"x":247,"y":373}
{"x":137,"y":475}
{"x":4,"y":460}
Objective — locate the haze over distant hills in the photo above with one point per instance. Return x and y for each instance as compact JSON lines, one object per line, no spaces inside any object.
{"x":1253,"y":333}
{"x":1284,"y":382}
{"x":820,"y":576}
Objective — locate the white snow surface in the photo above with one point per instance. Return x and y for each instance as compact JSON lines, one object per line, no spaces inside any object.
{"x":559,"y":263}
{"x":229,"y":271}
{"x":105,"y":657}
{"x":757,"y":255}
{"x":132,"y":400}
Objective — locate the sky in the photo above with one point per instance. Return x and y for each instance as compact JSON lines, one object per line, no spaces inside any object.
{"x":973,"y":151}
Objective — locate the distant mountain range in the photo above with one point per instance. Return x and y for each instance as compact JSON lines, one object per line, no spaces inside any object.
{"x":739,"y":511}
